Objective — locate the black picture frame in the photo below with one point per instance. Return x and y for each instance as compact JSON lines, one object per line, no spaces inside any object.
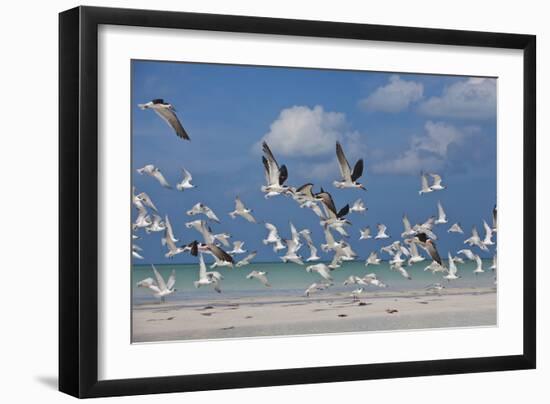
{"x":78,"y":195}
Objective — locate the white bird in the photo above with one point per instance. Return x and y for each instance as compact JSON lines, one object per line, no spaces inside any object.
{"x":441,"y":216}
{"x":246,"y":260}
{"x":259,"y":275}
{"x":396,"y":259}
{"x":355,"y":294}
{"x":154,"y":172}
{"x":322,"y":269}
{"x":135,"y":251}
{"x":223,"y":238}
{"x":173,"y":250}
{"x":358,"y":206}
{"x":208,"y":278}
{"x":436,"y":186}
{"x":295,"y":236}
{"x":458,"y":259}
{"x":146,"y":200}
{"x":435,"y":287}
{"x":202,"y":209}
{"x":373,"y":259}
{"x":273,"y":238}
{"x":468,"y":253}
{"x":237,"y":248}
{"x":291,"y":253}
{"x":455,"y":228}
{"x":407,"y":229}
{"x":169,"y":232}
{"x":381,"y":232}
{"x":415,"y":256}
{"x":168,"y":113}
{"x":159,"y":288}
{"x":488,"y":234}
{"x":451,"y":275}
{"x":157,"y":225}
{"x":330,"y":242}
{"x":185,"y":183}
{"x":241,"y":210}
{"x":315,"y":287}
{"x":306,"y":234}
{"x":202,"y":227}
{"x":479,"y":265}
{"x":365,"y":233}
{"x":398,"y":266}
{"x":425,"y":187}
{"x":371,"y":279}
{"x":275,"y":176}
{"x":143,"y":219}
{"x":349,"y":178}
{"x":435,"y":267}
{"x":475,"y":240}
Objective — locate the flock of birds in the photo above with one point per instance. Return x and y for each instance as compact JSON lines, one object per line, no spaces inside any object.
{"x":401,"y":253}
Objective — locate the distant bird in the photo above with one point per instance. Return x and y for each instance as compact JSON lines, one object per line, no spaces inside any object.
{"x":275,"y":176}
{"x":201,"y":208}
{"x":203,"y":229}
{"x":479,"y":265}
{"x":246,"y":260}
{"x":355,"y":294}
{"x":435,"y":267}
{"x":415,"y":256}
{"x":408,"y":231}
{"x":349,"y":178}
{"x":185,"y":183}
{"x":259,"y":275}
{"x":426,"y":228}
{"x":436,"y":186}
{"x":159,"y":288}
{"x":468,"y":253}
{"x":208,"y":278}
{"x":242,"y":211}
{"x":157,"y":225}
{"x":371,"y":279}
{"x":169,"y":234}
{"x":135,"y":251}
{"x":488,"y":234}
{"x":154,"y":172}
{"x":223,"y":238}
{"x":143,"y":219}
{"x":475,"y":240}
{"x":398,"y":266}
{"x":441,"y":216}
{"x":358,"y":206}
{"x":173,"y":250}
{"x":315,"y":287}
{"x":147,"y":201}
{"x":292,"y":253}
{"x":455,"y":228}
{"x":168,"y":113}
{"x":451,"y":275}
{"x":425,"y":187}
{"x":321,"y":269}
{"x":306,"y":234}
{"x":237,"y":248}
{"x":330,"y":242}
{"x":381,"y":232}
{"x":396,"y":259}
{"x":365,"y":233}
{"x":373,"y":259}
{"x":295,"y":236}
{"x":435,"y":287}
{"x":273,"y":238}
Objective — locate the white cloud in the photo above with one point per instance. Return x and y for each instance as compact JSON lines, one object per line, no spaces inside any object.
{"x":304,"y":131}
{"x":428,"y":151}
{"x":396,"y":96}
{"x":474,"y":98}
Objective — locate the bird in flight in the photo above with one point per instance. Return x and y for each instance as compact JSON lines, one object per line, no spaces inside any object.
{"x":168,"y":113}
{"x":349,"y":178}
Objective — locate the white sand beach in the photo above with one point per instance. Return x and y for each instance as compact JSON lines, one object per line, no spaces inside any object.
{"x":322,"y":313}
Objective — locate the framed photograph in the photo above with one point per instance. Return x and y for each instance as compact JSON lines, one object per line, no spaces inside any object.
{"x":251,"y":201}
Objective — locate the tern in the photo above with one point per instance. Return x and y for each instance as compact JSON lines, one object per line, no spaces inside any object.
{"x":479,"y":265}
{"x":441,"y":216}
{"x":202,"y":227}
{"x":168,"y":113}
{"x":451,"y":275}
{"x":435,"y":287}
{"x":488,"y":235}
{"x":135,"y":251}
{"x":246,"y":260}
{"x":428,"y":245}
{"x":146,"y":200}
{"x":208,"y":278}
{"x":321,"y":269}
{"x":373,"y":259}
{"x":468,"y":253}
{"x":333,"y":218}
{"x":425,"y":187}
{"x":259,"y":275}
{"x":172,"y":248}
{"x":435,"y":267}
{"x":315,"y":287}
{"x":273,"y":238}
{"x":275,"y":176}
{"x":202,"y":209}
{"x":154,"y":172}
{"x":358,"y":206}
{"x":355,"y":294}
{"x":157,"y":225}
{"x":349,"y":178}
{"x":242,"y":211}
{"x":291,"y":253}
{"x":306,"y":234}
{"x":475,"y":240}
{"x":159,"y":288}
{"x":169,"y":233}
{"x":381,"y":232}
{"x":436,"y":186}
{"x":186,"y":181}
{"x":237,"y":248}
{"x":223,"y":238}
{"x":455,"y":228}
{"x":415,"y":256}
{"x":407,"y":229}
{"x":331,"y":243}
{"x":365,"y":233}
{"x":398,"y":266}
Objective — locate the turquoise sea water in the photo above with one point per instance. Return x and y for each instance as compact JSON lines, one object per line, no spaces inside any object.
{"x":291,"y":280}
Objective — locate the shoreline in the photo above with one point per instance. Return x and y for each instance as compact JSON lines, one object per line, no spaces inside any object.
{"x":334,"y":312}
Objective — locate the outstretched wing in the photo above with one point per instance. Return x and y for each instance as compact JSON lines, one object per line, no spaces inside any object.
{"x":343,"y":164}
{"x":171,"y":119}
{"x":357,"y":170}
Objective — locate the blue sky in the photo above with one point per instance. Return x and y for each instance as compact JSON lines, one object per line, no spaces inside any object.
{"x":399,"y":124}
